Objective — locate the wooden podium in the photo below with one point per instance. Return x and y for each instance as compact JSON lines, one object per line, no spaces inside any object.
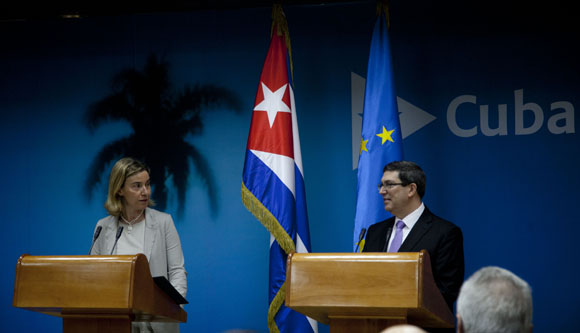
{"x":366,"y":292}
{"x":93,"y":293}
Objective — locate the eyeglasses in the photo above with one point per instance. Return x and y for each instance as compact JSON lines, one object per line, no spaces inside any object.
{"x":388,"y":186}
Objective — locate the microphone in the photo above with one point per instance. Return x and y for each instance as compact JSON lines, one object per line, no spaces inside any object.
{"x":387,"y":238}
{"x":360,"y":238}
{"x":119,"y":232}
{"x":95,"y":236}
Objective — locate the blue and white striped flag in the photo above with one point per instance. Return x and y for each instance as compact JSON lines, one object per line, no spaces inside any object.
{"x":273,"y":182}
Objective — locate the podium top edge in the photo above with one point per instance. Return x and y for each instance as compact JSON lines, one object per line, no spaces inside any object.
{"x":71,"y":258}
{"x":414,"y":256}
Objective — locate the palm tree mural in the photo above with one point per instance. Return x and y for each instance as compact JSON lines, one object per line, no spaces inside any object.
{"x":161,"y":120}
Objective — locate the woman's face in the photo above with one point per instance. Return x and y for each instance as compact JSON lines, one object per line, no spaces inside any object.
{"x":136,"y":192}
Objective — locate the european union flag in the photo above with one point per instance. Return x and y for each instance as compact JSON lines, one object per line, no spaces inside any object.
{"x":273,"y":181}
{"x":381,"y":140}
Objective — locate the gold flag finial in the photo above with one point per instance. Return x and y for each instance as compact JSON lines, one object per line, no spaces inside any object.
{"x":383,"y":8}
{"x":280,"y":25}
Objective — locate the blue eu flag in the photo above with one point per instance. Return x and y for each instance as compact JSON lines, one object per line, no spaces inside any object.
{"x":381,"y":140}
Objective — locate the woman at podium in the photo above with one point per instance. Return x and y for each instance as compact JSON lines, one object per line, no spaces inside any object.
{"x":133,"y":227}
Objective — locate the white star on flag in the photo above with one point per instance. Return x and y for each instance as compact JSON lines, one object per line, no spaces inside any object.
{"x":272,"y":102}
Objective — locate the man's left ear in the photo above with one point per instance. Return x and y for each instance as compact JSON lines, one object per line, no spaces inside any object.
{"x":412,"y":189}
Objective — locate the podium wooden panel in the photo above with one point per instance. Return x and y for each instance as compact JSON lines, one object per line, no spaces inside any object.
{"x":366,"y":292}
{"x":93,"y":293}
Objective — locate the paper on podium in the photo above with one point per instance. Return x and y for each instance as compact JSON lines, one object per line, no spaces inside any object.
{"x":166,"y":286}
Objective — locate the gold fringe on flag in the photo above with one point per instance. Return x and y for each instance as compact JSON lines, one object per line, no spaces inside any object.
{"x":284,"y":240}
{"x":268,"y":220}
{"x":279,"y":22}
{"x":274,"y":307}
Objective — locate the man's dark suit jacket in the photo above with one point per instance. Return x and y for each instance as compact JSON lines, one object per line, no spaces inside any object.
{"x":442,"y":239}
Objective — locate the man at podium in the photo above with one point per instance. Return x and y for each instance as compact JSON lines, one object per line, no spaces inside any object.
{"x":132,"y":227}
{"x":414,"y":228}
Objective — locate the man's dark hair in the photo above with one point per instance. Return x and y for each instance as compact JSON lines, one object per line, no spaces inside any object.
{"x":409,"y":172}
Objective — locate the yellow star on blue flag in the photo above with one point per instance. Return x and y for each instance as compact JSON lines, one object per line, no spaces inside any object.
{"x":386,"y":135}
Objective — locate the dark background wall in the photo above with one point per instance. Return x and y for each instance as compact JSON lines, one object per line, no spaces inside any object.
{"x":513,"y":194}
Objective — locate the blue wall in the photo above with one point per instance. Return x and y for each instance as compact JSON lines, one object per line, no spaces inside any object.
{"x":513,"y":194}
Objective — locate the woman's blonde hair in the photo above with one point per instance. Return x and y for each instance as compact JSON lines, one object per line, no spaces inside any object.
{"x":123,"y":169}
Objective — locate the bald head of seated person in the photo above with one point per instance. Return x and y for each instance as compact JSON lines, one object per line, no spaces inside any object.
{"x":495,"y":300}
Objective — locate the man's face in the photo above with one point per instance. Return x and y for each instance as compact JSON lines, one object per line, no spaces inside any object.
{"x":395,"y":195}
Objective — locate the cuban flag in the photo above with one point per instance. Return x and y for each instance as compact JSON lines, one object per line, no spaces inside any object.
{"x":381,"y":139}
{"x":273,"y":181}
